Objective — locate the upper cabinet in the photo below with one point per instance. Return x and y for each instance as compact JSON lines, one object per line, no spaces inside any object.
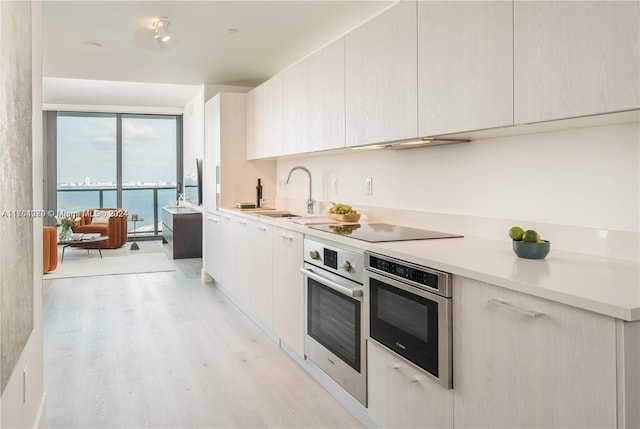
{"x":327,"y":97}
{"x":255,"y":123}
{"x":465,"y":66}
{"x":295,"y":114}
{"x":431,"y":68}
{"x":264,"y":120}
{"x":273,"y":117}
{"x":575,"y":58}
{"x":381,"y":77}
{"x":226,"y":154}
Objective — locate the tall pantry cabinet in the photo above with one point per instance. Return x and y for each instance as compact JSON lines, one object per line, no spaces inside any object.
{"x":228,"y":176}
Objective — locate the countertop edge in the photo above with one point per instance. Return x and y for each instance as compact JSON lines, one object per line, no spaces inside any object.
{"x":629,"y":313}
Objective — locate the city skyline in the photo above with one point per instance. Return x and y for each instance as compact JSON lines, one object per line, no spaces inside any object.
{"x":86,"y":147}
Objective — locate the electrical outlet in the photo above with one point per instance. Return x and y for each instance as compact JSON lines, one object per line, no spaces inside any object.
{"x":368,"y":186}
{"x":334,"y":185}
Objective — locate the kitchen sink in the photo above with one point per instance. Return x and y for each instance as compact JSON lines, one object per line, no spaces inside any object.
{"x":279,"y":214}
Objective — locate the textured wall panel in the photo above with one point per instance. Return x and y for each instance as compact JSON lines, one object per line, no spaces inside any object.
{"x":16,"y":232}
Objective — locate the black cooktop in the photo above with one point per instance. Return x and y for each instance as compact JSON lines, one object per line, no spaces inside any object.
{"x":380,"y":232}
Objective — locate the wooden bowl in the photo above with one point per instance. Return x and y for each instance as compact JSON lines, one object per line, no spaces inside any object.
{"x":344,"y":218}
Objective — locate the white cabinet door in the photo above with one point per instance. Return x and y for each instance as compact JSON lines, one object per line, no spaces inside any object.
{"x":465,"y":66}
{"x":260,"y":272}
{"x":272,"y":117}
{"x":212,"y":245}
{"x":255,"y":123}
{"x":511,"y":369}
{"x":211,"y":152}
{"x":402,"y":396}
{"x":295,"y":115}
{"x":241,"y":261}
{"x":226,"y":276}
{"x":575,"y":58}
{"x":381,"y":78}
{"x":326,"y":97}
{"x":288,"y":289}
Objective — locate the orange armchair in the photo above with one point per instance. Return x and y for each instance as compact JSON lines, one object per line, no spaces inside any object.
{"x":50,"y":249}
{"x":115,"y":228}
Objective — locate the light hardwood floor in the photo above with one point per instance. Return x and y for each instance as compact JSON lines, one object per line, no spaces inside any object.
{"x":165,"y":350}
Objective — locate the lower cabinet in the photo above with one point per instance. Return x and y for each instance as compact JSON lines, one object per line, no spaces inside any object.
{"x":402,"y":396}
{"x":212,"y":245}
{"x":182,"y":231}
{"x":522,"y":361}
{"x":260,"y":273}
{"x":227,"y":261}
{"x":288,"y":290}
{"x":241,"y":264}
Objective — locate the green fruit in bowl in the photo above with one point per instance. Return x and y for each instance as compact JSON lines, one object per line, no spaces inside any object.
{"x":342,"y":209}
{"x":530,"y":236}
{"x":516,"y":233}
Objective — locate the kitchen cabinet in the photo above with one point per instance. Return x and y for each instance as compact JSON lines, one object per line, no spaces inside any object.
{"x":522,"y":361}
{"x":295,"y":114}
{"x":212,"y":250}
{"x":465,"y":66}
{"x":575,"y":58}
{"x":255,"y":123}
{"x":225,"y":155}
{"x":402,"y":396}
{"x":182,"y":231}
{"x":245,"y":252}
{"x":211,"y":155}
{"x":288,"y":290}
{"x":381,"y":77}
{"x":227,"y":244}
{"x":241,"y":261}
{"x":313,"y":102}
{"x":326,"y":97}
{"x":260,"y":273}
{"x":273,"y":131}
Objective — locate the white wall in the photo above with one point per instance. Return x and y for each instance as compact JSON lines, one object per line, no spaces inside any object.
{"x":585,"y":177}
{"x":193,"y":127}
{"x":15,"y":412}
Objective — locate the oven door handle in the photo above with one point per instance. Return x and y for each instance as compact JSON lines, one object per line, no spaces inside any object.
{"x":353,"y":293}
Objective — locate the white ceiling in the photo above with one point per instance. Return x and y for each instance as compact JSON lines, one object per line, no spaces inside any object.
{"x":271,"y":35}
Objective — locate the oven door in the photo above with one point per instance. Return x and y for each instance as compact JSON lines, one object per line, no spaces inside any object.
{"x":412,"y":322}
{"x":333,"y":329}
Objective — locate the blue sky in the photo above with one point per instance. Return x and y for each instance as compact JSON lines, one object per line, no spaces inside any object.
{"x":87,"y":148}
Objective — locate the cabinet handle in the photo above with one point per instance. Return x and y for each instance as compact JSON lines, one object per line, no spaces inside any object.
{"x":286,"y":237}
{"x":212,"y":219}
{"x":226,"y":217}
{"x":504,"y":304}
{"x":416,"y":379}
{"x":396,"y":366}
{"x":262,"y":228}
{"x":241,"y":222}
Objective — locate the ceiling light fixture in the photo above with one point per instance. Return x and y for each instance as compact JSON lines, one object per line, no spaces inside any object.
{"x":161,"y":30}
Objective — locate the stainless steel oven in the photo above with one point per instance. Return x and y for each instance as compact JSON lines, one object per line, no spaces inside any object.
{"x":409,"y":312}
{"x":334,"y":338}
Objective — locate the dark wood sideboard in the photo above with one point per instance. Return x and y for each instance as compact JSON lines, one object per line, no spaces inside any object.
{"x":182,"y":230}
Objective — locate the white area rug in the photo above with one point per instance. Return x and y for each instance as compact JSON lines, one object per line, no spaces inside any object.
{"x":150,"y":258}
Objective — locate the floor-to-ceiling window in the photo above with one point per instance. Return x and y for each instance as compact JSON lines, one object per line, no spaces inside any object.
{"x":114,"y":160}
{"x":149,"y":167}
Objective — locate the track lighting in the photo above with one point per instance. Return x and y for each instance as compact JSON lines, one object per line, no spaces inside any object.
{"x":161,"y":30}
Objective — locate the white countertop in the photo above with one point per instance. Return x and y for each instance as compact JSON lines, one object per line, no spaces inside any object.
{"x":607,"y":286}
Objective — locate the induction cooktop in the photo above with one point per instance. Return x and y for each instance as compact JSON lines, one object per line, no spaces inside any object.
{"x":381,"y":232}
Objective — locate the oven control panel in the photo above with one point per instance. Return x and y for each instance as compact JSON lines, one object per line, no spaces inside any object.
{"x":345,"y":262}
{"x":423,"y":277}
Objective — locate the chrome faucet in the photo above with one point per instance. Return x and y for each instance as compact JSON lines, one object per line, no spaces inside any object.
{"x":309,"y":201}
